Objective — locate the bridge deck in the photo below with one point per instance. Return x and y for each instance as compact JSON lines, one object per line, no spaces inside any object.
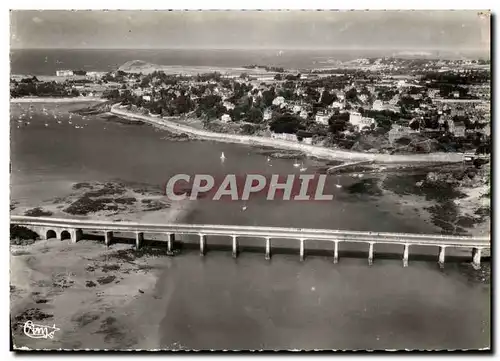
{"x":261,"y":232}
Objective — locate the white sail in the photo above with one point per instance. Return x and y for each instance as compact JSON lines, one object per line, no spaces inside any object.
{"x":222,"y":156}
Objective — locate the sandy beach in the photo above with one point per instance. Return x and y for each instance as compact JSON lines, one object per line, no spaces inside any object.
{"x":56,"y":100}
{"x":87,"y":288}
{"x":96,"y":296}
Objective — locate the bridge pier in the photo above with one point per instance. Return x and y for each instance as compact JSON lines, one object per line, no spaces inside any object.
{"x":139,"y":239}
{"x":370,"y":254}
{"x":336,"y":252}
{"x":302,"y":251}
{"x":441,"y":256}
{"x":76,"y":235}
{"x":170,"y":242}
{"x":235,"y":246}
{"x":268,"y":248}
{"x":108,"y":238}
{"x":405,"y":255}
{"x":202,"y":244}
{"x":476,"y":258}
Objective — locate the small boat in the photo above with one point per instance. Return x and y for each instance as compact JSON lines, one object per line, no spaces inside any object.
{"x":244,"y":208}
{"x":59,"y":122}
{"x":46,"y":125}
{"x":268,"y":159}
{"x":296,"y":164}
{"x":303,"y":169}
{"x":222,"y":156}
{"x":70,"y":122}
{"x":338,"y":185}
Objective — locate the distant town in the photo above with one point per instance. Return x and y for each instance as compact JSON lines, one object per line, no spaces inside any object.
{"x":385,"y":105}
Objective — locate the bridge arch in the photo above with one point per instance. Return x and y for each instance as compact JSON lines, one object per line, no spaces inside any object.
{"x":50,"y":234}
{"x":65,"y":235}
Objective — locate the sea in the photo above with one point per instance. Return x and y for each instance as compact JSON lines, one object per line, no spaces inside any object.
{"x":47,"y":61}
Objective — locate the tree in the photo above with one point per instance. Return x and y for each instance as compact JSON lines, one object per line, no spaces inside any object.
{"x":337,"y":126}
{"x":268,"y":97}
{"x":352,"y":95}
{"x":145,"y":82}
{"x":254,"y":115}
{"x":113,"y":94}
{"x":415,"y":125}
{"x":328,"y":98}
{"x":182,"y":104}
{"x":248,"y":129}
{"x":286,"y":123}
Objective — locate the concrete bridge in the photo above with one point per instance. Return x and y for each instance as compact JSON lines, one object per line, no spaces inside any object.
{"x":73,"y":229}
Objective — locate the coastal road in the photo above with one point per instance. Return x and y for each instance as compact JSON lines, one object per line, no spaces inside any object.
{"x":310,"y":150}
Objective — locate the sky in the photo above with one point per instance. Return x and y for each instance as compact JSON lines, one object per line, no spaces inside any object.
{"x":436,"y":30}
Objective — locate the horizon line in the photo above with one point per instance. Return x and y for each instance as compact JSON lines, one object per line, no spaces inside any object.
{"x":453,"y":49}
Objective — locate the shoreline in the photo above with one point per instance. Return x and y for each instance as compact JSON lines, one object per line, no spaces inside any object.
{"x":56,"y":100}
{"x":310,"y":150}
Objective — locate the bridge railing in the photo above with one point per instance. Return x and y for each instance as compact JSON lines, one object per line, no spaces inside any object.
{"x":268,"y":233}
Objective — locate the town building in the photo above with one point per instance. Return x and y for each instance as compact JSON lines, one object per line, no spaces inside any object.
{"x":378,"y":105}
{"x":64,"y":73}
{"x":304,"y":137}
{"x":284,"y":136}
{"x":337,"y":105}
{"x":279,"y":101}
{"x":322,"y":117}
{"x":228,"y":105}
{"x":457,"y":128}
{"x":357,"y":120}
{"x":226,"y":118}
{"x":268,"y":114}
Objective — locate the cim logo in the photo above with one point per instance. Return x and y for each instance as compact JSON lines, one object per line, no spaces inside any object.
{"x":303,"y":187}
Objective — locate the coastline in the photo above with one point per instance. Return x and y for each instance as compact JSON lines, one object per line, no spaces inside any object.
{"x":310,"y":150}
{"x":56,"y":100}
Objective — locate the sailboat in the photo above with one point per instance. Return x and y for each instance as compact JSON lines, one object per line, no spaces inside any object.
{"x":296,"y":164}
{"x":222,"y":156}
{"x":302,"y":168}
{"x":338,"y":185}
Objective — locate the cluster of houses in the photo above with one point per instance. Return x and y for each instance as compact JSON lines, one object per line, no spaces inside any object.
{"x":94,"y":75}
{"x":426,"y":101}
